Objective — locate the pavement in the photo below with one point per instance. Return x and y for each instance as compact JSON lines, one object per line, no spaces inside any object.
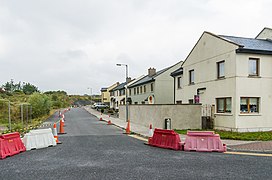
{"x":232,"y":145}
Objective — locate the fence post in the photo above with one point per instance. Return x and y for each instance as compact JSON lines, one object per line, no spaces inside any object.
{"x":9,"y":116}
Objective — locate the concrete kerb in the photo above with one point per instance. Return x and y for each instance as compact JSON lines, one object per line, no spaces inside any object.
{"x":117,"y":122}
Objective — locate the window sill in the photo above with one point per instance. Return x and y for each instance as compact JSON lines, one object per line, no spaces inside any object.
{"x":254,"y":76}
{"x":191,"y":84}
{"x":223,"y":114}
{"x":220,"y":78}
{"x":250,"y":114}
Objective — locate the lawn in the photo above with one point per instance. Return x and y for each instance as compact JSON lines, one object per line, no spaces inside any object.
{"x":246,"y":136}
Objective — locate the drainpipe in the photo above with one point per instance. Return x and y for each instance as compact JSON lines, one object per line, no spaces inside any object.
{"x":174,"y":90}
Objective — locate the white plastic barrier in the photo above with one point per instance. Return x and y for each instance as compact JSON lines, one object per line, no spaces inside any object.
{"x":40,"y":138}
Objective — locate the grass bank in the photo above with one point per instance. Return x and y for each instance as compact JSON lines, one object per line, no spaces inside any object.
{"x":245,"y":136}
{"x":26,"y":127}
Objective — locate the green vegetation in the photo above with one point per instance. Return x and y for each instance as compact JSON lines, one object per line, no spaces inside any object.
{"x":29,"y":107}
{"x":246,"y":136}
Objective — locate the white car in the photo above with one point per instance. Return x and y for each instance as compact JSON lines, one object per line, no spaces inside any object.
{"x":100,"y":106}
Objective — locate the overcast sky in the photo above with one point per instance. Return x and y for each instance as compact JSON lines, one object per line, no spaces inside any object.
{"x":73,"y":45}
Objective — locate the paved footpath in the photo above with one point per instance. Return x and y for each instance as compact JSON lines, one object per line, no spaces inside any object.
{"x":232,"y":145}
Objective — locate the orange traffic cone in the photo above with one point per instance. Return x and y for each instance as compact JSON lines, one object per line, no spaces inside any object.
{"x":101,"y":117}
{"x":61,"y":129}
{"x":55,"y":134}
{"x":128,"y":127}
{"x":109,"y":121}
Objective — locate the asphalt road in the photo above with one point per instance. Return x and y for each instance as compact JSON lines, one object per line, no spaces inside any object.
{"x":93,"y":150}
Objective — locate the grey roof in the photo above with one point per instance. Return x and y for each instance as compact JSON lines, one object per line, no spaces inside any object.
{"x":103,"y":89}
{"x":119,"y":87}
{"x":250,"y":43}
{"x":147,"y":79}
{"x":177,"y":72}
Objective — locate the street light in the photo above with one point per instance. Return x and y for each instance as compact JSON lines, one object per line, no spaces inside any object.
{"x":91,"y":93}
{"x":125,"y":89}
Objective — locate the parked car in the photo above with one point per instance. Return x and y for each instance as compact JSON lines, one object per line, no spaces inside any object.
{"x":99,"y":106}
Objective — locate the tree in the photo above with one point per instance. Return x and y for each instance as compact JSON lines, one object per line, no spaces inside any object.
{"x":29,"y":89}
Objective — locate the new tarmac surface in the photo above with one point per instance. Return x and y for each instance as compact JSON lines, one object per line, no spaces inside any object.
{"x":93,"y":150}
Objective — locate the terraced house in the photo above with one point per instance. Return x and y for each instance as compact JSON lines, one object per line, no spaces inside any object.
{"x":233,"y":74}
{"x":154,"y":88}
{"x":105,"y":93}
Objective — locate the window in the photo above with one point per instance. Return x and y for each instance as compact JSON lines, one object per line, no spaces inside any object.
{"x":141,"y":89}
{"x":144,"y":89}
{"x":152,"y":87}
{"x":134,"y":91}
{"x":179,"y":82}
{"x":191,"y":101}
{"x":137,"y":90}
{"x":129,"y":92}
{"x":191,"y":77}
{"x":249,"y":105}
{"x":253,"y":67}
{"x":223,"y":105}
{"x":220,"y":69}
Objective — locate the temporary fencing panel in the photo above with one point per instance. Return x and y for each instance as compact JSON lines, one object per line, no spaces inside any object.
{"x":204,"y":141}
{"x":37,"y":139}
{"x":10,"y":144}
{"x":165,"y":139}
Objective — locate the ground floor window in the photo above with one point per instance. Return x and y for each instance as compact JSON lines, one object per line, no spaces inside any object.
{"x":223,"y":105}
{"x":249,"y":105}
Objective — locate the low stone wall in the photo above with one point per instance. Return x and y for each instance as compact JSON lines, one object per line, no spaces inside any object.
{"x":183,"y":116}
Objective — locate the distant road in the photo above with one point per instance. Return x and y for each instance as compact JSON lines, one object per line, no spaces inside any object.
{"x":93,"y":150}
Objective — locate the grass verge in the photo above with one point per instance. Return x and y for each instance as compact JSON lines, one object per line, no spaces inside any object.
{"x":245,"y":136}
{"x":17,"y":126}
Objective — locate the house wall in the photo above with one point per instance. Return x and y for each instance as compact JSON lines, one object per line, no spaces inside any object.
{"x":164,"y":87}
{"x":266,"y":33}
{"x":182,"y":116}
{"x":178,"y":91}
{"x":254,"y":87}
{"x":203,"y":59}
{"x":142,"y":96}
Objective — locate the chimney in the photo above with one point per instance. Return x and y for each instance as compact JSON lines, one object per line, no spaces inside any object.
{"x":151,"y":71}
{"x":128,"y":79}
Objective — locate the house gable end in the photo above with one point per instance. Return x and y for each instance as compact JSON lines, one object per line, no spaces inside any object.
{"x":209,"y":45}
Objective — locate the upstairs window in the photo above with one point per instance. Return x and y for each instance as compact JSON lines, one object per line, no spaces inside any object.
{"x":137,"y":90}
{"x":144,"y":89}
{"x":134,"y":91}
{"x":191,"y":77}
{"x":220,"y":69}
{"x":253,"y":67}
{"x":249,"y":105}
{"x":179,"y":82}
{"x":223,"y":105}
{"x":141,"y":89}
{"x":152,"y":87}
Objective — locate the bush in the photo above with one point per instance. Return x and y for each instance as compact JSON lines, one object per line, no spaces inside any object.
{"x":41,"y":104}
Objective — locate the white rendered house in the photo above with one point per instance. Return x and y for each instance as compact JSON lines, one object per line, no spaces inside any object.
{"x":233,"y":74}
